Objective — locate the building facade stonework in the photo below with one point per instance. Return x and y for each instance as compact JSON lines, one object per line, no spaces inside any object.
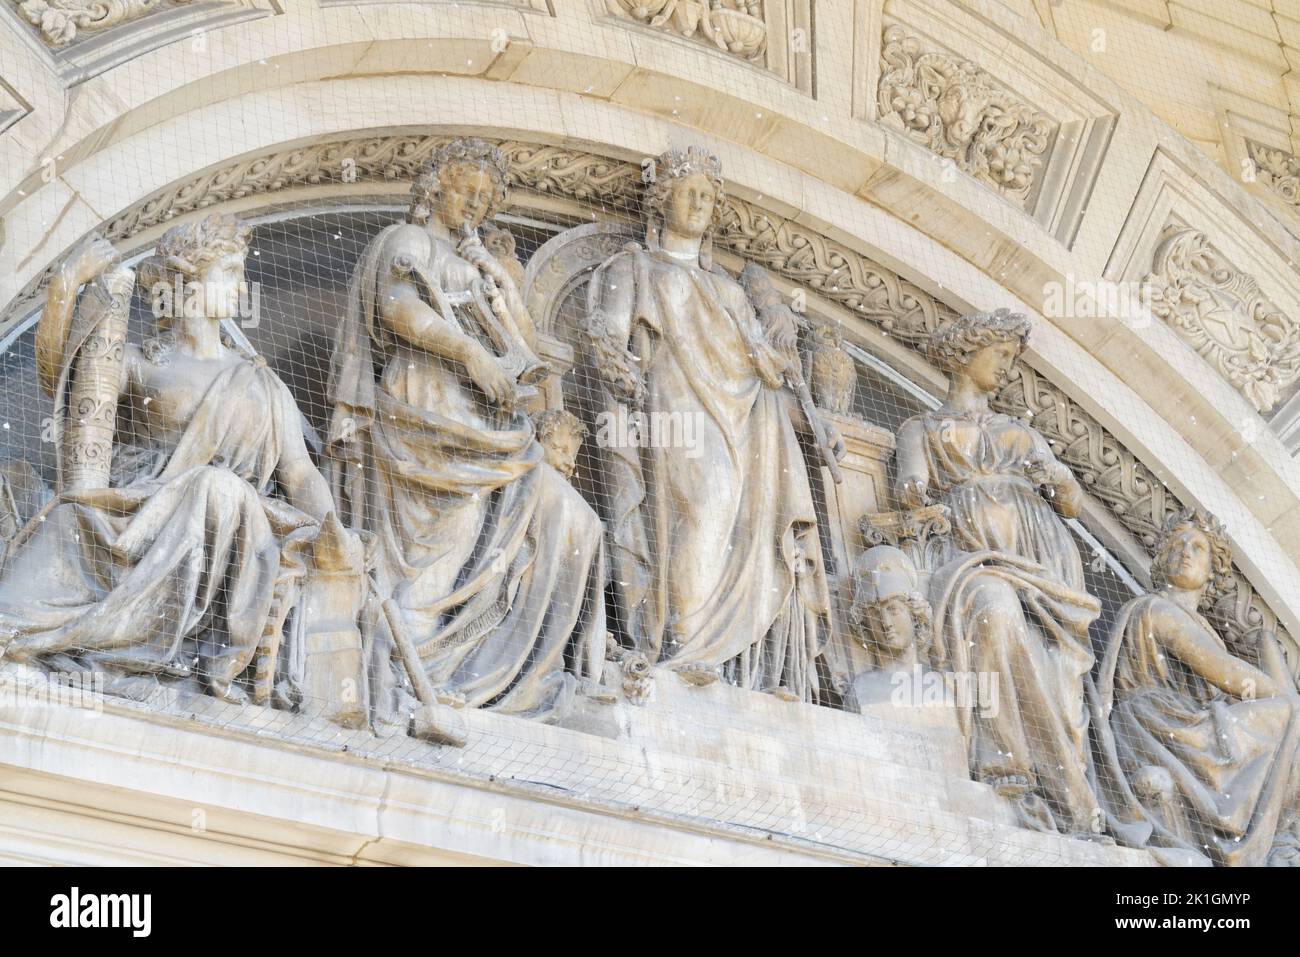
{"x":611,"y":433}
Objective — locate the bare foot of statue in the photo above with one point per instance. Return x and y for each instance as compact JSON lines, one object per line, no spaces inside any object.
{"x":227,"y":691}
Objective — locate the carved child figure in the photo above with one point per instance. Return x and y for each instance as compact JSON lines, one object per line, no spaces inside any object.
{"x":561,"y":434}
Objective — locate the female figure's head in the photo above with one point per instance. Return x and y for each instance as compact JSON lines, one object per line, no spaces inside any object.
{"x":684,"y":198}
{"x":461,"y":185}
{"x":207,"y":256}
{"x":982,"y":347}
{"x":1192,"y":552}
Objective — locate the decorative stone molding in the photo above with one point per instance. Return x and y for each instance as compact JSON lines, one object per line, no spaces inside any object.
{"x":1221,"y":312}
{"x":61,"y":21}
{"x":544,"y":169}
{"x":1133,"y":492}
{"x":1277,"y":171}
{"x":959,"y":112}
{"x":738,"y":27}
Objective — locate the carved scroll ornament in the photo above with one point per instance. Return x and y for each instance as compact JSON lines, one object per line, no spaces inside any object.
{"x":61,"y":21}
{"x":1222,"y":313}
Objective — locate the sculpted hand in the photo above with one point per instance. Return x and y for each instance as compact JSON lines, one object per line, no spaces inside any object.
{"x":782,"y":331}
{"x":913,"y":493}
{"x":1041,"y":470}
{"x":617,"y":366}
{"x":488,"y":375}
{"x":835,"y":441}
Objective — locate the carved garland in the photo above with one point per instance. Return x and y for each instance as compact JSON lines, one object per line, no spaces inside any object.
{"x":957,"y":111}
{"x":1136,"y":495}
{"x":1277,"y":171}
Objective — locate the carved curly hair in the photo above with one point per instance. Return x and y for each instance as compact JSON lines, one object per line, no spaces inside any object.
{"x":956,"y":341}
{"x":471,"y":151}
{"x":190,"y":248}
{"x":1215,"y":534}
{"x":673,"y":165}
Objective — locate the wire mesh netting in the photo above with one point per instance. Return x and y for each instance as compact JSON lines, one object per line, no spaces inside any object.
{"x":587,"y":477}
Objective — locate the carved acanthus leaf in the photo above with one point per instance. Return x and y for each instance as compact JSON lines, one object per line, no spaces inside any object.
{"x":959,"y":112}
{"x":1221,"y":312}
{"x":61,"y":20}
{"x":1277,"y":171}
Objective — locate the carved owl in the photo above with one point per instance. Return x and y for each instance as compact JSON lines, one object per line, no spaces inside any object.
{"x":831,"y":374}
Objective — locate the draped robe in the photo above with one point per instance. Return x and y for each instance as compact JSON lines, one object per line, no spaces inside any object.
{"x":1010,"y":601}
{"x":173,"y":569}
{"x":496,"y":563}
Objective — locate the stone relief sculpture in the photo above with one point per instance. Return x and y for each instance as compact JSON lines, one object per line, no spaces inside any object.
{"x":831,"y":372}
{"x":1009,"y":597}
{"x":60,"y":21}
{"x":1197,"y":747}
{"x":1222,"y":313}
{"x":1277,"y":170}
{"x":735,"y":26}
{"x":890,"y":617}
{"x":716,"y":562}
{"x":187,"y":503}
{"x":490,"y":567}
{"x":561,"y":435}
{"x":958,"y":111}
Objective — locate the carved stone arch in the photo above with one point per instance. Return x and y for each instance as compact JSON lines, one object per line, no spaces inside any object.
{"x":563,"y":264}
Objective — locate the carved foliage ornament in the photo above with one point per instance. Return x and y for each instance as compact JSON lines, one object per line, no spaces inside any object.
{"x":1279,"y":172}
{"x":956,"y":110}
{"x":1221,"y":312}
{"x":734,"y":26}
{"x":1135,"y":494}
{"x":60,"y":20}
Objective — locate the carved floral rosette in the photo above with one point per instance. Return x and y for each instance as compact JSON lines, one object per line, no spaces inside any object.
{"x":957,"y":111}
{"x":1221,"y":312}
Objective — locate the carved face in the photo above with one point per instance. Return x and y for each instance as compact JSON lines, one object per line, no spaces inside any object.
{"x":990,"y":368}
{"x":688,"y":208}
{"x":561,"y":447}
{"x":889,"y":623}
{"x":1188,"y":559}
{"x":221,"y":283}
{"x":465,"y":196}
{"x":960,"y":108}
